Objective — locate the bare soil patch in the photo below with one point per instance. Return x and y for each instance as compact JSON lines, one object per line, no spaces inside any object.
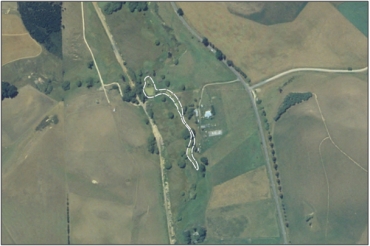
{"x":319,"y":37}
{"x":248,"y":187}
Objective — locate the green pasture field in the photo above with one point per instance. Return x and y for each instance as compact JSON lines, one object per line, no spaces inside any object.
{"x":235,"y":115}
{"x":75,"y":52}
{"x":357,"y":14}
{"x":197,"y":65}
{"x":101,"y":146}
{"x":244,"y":158}
{"x":100,"y":45}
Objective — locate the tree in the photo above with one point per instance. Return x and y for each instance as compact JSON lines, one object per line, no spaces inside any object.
{"x":171,"y":115}
{"x":90,"y":64}
{"x":79,"y":83}
{"x":12,"y":91}
{"x":202,"y":168}
{"x":163,"y":76}
{"x":89,"y":83}
{"x":164,"y":99}
{"x":219,"y":55}
{"x":157,"y":42}
{"x":273,"y":152}
{"x":270,"y":138}
{"x":66,"y":85}
{"x":182,"y":87}
{"x":230,"y":63}
{"x":150,"y":113}
{"x":185,"y":134}
{"x":49,"y":89}
{"x":168,"y":83}
{"x":213,"y":110}
{"x":132,"y":6}
{"x":205,"y":41}
{"x":204,"y":160}
{"x":176,"y":62}
{"x":168,"y":165}
{"x":180,"y":12}
{"x":181,"y":163}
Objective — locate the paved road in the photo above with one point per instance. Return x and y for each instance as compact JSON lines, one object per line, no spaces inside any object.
{"x":249,"y":90}
{"x":306,"y":70}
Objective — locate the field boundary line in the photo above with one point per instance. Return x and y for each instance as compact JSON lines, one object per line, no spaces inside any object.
{"x":308,"y":70}
{"x":92,"y":54}
{"x":327,"y":184}
{"x":192,"y":136}
{"x":323,"y":120}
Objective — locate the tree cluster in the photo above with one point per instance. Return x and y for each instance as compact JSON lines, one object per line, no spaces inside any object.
{"x":66,"y":85}
{"x":43,"y":20}
{"x":129,"y":94}
{"x":111,"y":7}
{"x":46,"y":122}
{"x":195,"y":235}
{"x":152,"y":145}
{"x":139,"y":6}
{"x":8,"y":90}
{"x":290,"y":100}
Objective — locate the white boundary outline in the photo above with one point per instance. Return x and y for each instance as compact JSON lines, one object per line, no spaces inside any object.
{"x":166,"y":92}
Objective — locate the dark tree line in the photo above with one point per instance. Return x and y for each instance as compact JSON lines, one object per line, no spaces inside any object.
{"x":152,"y":145}
{"x":290,"y":100}
{"x":139,"y":6}
{"x":111,"y":7}
{"x":8,"y":90}
{"x":129,"y":94}
{"x":43,"y":20}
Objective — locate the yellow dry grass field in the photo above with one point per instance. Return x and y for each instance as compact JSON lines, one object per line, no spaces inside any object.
{"x":9,"y":8}
{"x":34,"y":190}
{"x":12,"y":24}
{"x":319,"y":37}
{"x":22,"y":113}
{"x":109,"y":165}
{"x":248,"y":187}
{"x":18,"y":47}
{"x":243,"y":221}
{"x":96,"y":221}
{"x":16,"y":41}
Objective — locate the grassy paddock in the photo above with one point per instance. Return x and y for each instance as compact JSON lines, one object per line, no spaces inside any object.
{"x":243,"y":221}
{"x":300,"y":131}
